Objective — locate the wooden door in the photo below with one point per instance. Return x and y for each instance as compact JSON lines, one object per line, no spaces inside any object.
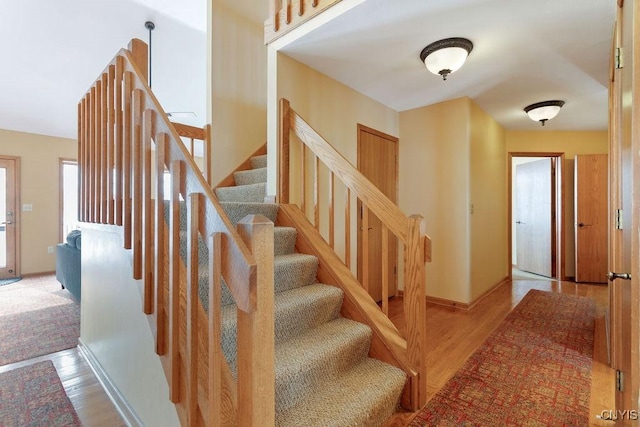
{"x":534,"y":219}
{"x":591,"y":217}
{"x":377,"y":160}
{"x":8,"y":218}
{"x":625,"y":199}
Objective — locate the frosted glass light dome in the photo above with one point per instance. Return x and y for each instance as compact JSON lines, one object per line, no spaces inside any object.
{"x":543,"y":111}
{"x":446,"y":56}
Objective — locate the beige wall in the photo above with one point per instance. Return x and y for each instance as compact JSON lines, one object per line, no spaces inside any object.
{"x":570,"y":143}
{"x":334,"y":110}
{"x":39,"y":183}
{"x":488,"y":203}
{"x":237,"y":108}
{"x":434,"y":182}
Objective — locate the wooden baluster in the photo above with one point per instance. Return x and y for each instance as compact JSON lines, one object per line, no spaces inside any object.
{"x":288,"y":12}
{"x":331,"y":209}
{"x":300,"y":7}
{"x":147,"y":213}
{"x":162,"y":141}
{"x":216,"y":356}
{"x":365,"y":247}
{"x":192,"y":149}
{"x":81,"y":168}
{"x":111,"y":146}
{"x":283,"y":158}
{"x":274,"y":12}
{"x":256,"y":376}
{"x":177,"y":184}
{"x":86,"y":163}
{"x":314,"y":3}
{"x":140,"y":55}
{"x":385,"y":269}
{"x":194,"y":224}
{"x":415,"y":306}
{"x":316,"y":193}
{"x":91,"y":167}
{"x":97,"y":153}
{"x":104,"y":144}
{"x":118,"y":140}
{"x":126,"y":159}
{"x":206,"y":142}
{"x":136,"y":111}
{"x":347,"y":228}
{"x":303,"y":182}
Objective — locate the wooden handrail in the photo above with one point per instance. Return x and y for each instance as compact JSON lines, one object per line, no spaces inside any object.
{"x":120,"y":124}
{"x":409,"y":230}
{"x":285,"y":15}
{"x":201,"y":134}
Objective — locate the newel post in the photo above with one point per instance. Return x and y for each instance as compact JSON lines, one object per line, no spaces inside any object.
{"x":140,"y":54}
{"x":256,"y":342}
{"x":415,"y":307}
{"x":283,"y":151}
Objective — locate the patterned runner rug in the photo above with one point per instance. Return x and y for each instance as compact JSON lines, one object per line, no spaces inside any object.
{"x":34,"y":396}
{"x":533,"y":370}
{"x":36,"y":319}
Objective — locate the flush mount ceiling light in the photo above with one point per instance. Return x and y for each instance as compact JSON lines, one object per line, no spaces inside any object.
{"x":446,"y":56}
{"x":543,"y":111}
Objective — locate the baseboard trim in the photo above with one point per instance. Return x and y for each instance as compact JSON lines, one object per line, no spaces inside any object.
{"x":457,"y":305}
{"x":119,"y":401}
{"x":42,"y":273}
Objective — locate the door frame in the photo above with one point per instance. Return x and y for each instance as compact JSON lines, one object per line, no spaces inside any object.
{"x":61,"y":162}
{"x":395,"y":141}
{"x":16,"y":215}
{"x":558,"y":227}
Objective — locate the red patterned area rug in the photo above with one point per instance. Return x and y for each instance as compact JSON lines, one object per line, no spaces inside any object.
{"x":533,"y":370}
{"x":34,"y":396}
{"x":36,"y":318}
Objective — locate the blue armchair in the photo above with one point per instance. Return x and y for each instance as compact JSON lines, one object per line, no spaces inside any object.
{"x":68,"y":263}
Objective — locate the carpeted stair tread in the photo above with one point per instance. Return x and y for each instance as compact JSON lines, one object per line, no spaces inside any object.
{"x":284,"y":240}
{"x":251,"y":176}
{"x":316,"y":356}
{"x":242,"y":193}
{"x":365,"y":396}
{"x":259,"y":161}
{"x":296,"y":311}
{"x":238,"y":210}
{"x":290,"y":271}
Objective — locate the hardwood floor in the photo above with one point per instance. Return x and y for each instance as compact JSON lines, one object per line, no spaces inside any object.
{"x":456,"y":334}
{"x":89,"y":399}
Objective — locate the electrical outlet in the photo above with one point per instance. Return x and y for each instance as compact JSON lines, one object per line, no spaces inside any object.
{"x":49,"y":249}
{"x":471,"y":208}
{"x":27,"y":207}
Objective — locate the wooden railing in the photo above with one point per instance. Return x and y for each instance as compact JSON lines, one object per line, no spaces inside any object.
{"x":197,"y":136}
{"x":285,"y":15}
{"x":327,"y":164}
{"x":120,"y":124}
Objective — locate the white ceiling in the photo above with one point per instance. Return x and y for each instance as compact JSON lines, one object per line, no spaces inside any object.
{"x":525,"y":51}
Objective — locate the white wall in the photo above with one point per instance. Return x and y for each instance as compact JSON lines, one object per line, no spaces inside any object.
{"x":115,"y":329}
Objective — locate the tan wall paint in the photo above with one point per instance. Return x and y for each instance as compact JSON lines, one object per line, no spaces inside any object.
{"x":570,"y":143}
{"x":237,"y":109}
{"x":39,"y":183}
{"x":434,"y":182}
{"x":334,"y":110}
{"x":488,"y":189}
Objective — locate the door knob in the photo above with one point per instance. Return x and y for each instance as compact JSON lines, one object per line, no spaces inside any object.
{"x":582,"y":224}
{"x":5,"y":223}
{"x":519,"y":222}
{"x":613,"y":276}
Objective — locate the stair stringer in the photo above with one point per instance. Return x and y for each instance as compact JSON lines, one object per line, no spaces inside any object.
{"x":387,"y":343}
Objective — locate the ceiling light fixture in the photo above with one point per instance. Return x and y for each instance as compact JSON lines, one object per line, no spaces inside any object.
{"x":446,"y":56}
{"x":543,"y":111}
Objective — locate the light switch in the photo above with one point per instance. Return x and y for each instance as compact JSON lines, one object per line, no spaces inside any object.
{"x":27,"y":207}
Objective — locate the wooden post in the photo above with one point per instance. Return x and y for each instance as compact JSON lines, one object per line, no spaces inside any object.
{"x":206,"y":147}
{"x":148,"y":231}
{"x":137,"y":112}
{"x":160,"y":244}
{"x":415,"y":307}
{"x":256,"y":343}
{"x":140,"y":54}
{"x":216,"y":356}
{"x":283,"y":152}
{"x":195,"y":215}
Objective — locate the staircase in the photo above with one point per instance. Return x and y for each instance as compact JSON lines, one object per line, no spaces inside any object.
{"x":324,"y":376}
